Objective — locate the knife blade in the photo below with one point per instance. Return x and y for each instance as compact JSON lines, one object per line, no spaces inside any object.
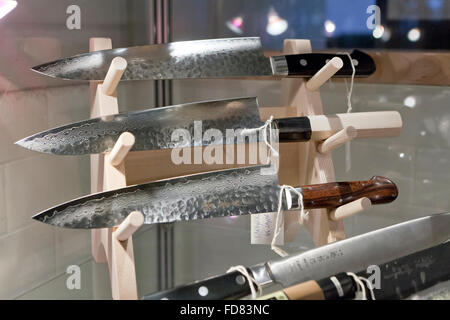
{"x":399,"y":279}
{"x":349,"y":255}
{"x":221,"y":193}
{"x":214,"y":58}
{"x":153,"y":128}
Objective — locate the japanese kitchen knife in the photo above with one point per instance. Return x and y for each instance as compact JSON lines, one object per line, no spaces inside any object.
{"x":349,"y":255}
{"x":153,"y":128}
{"x":221,"y":193}
{"x":215,"y":58}
{"x":398,"y":279}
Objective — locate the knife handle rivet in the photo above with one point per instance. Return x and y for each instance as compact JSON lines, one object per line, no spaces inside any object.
{"x":303,"y":62}
{"x":240,"y":280}
{"x":355,"y":62}
{"x":203,"y":291}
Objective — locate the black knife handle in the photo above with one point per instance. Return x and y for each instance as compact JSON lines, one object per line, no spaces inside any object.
{"x":228,"y":286}
{"x":293,"y":129}
{"x":307,"y":65}
{"x":331,"y":291}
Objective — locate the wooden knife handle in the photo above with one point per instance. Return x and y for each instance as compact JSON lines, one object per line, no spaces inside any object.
{"x":334,"y":194}
{"x":309,"y":290}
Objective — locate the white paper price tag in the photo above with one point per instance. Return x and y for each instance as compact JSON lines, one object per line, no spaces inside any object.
{"x":262,"y":229}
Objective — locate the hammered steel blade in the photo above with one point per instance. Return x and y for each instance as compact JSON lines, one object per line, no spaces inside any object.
{"x":215,"y":58}
{"x":216,"y":194}
{"x":152,"y":128}
{"x":357,"y":253}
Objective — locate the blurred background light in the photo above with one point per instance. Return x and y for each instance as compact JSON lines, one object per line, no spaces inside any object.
{"x":378,"y":32}
{"x":435,"y":4}
{"x":386,"y":35}
{"x":410,"y":102}
{"x":275,"y":25}
{"x":6,"y":6}
{"x":414,"y":34}
{"x":236,"y":24}
{"x":330,"y":27}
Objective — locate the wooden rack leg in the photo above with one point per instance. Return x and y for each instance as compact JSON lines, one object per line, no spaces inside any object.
{"x":350,"y":209}
{"x":123,"y":272}
{"x":107,"y":173}
{"x":120,"y":250}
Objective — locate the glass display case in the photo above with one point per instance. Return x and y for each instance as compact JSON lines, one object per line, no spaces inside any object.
{"x":410,"y":45}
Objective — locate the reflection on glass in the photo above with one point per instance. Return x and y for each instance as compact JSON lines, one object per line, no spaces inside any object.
{"x":330,"y":27}
{"x":6,"y":6}
{"x":236,"y":24}
{"x":410,"y":102}
{"x":414,"y":34}
{"x":275,"y":25}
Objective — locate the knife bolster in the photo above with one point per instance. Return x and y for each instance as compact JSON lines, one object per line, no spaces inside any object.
{"x":296,"y":129}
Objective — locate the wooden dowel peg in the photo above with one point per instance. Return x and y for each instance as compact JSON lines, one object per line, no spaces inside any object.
{"x":322,"y":76}
{"x":121,"y":148}
{"x":115,"y":72}
{"x":129,"y":226}
{"x":350,"y":209}
{"x":338,"y":139}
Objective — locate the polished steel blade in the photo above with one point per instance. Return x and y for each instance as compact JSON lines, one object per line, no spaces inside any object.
{"x":216,"y":194}
{"x":152,"y":128}
{"x":216,"y":58}
{"x":357,"y":253}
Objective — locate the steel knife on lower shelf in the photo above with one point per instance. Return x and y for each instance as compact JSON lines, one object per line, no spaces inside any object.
{"x":214,"y":58}
{"x":349,"y":255}
{"x":153,"y":128}
{"x":398,"y":279}
{"x":222,"y":193}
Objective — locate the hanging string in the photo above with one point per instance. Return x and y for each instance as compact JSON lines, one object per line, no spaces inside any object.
{"x":269,"y":143}
{"x":361,"y":288}
{"x":250,"y":280}
{"x":348,"y":163}
{"x":285,"y":190}
{"x":279,"y":225}
{"x":369,"y":286}
{"x":350,"y":90}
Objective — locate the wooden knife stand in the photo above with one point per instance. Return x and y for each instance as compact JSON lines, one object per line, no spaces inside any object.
{"x":300,"y":164}
{"x":113,"y":246}
{"x":311,"y":162}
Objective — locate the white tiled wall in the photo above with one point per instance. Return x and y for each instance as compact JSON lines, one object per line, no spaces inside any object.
{"x":32,"y":253}
{"x":31,"y":182}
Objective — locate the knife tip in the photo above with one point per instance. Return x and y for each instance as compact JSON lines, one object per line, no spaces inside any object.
{"x":23,"y":143}
{"x":46,"y":69}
